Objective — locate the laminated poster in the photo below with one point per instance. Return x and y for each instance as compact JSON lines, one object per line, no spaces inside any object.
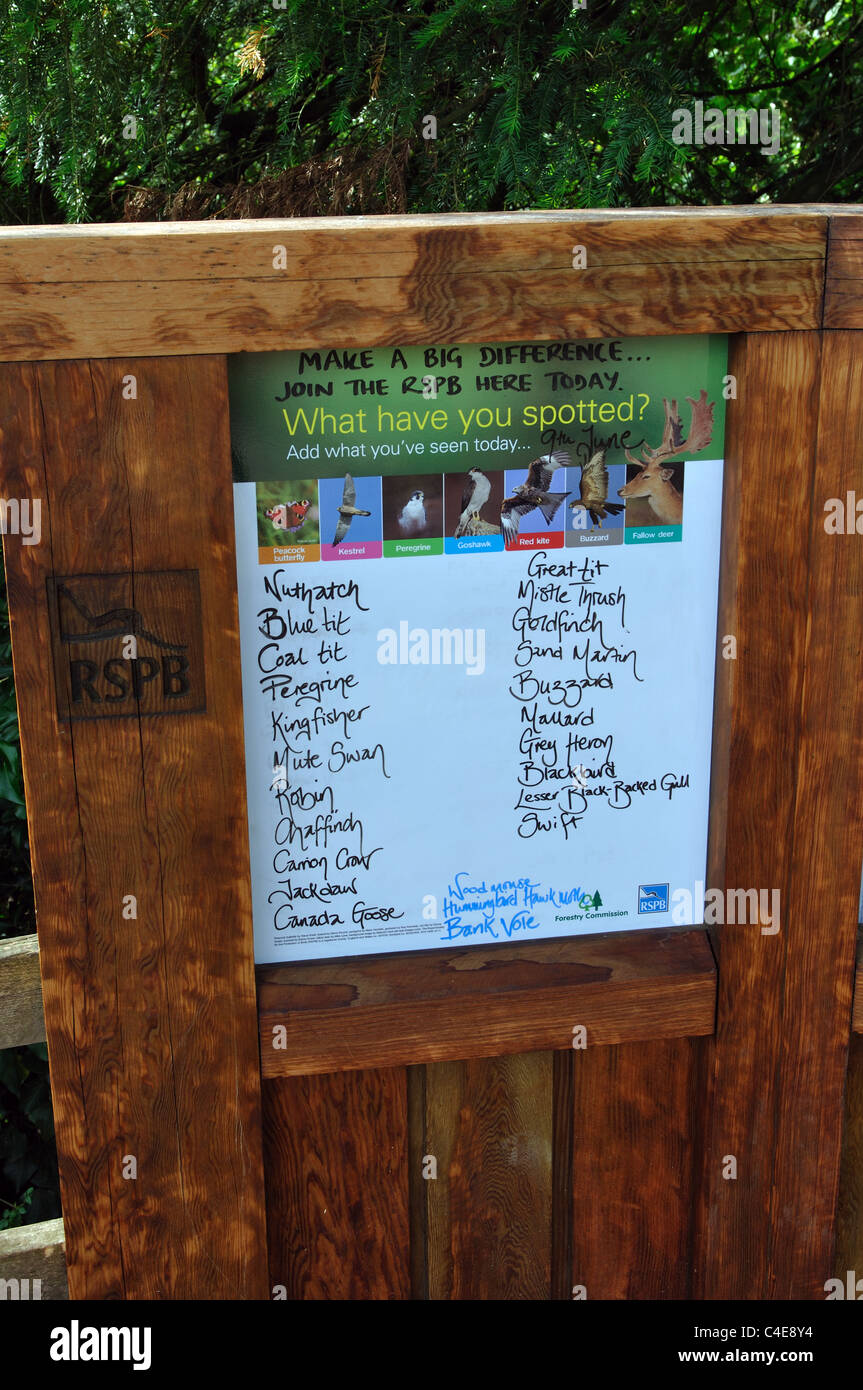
{"x":478,"y":599}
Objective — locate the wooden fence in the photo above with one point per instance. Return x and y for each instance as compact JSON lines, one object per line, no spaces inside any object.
{"x":299,"y":1172}
{"x":35,"y":1251}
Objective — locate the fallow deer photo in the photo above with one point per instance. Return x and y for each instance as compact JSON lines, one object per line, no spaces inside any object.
{"x":654,"y":482}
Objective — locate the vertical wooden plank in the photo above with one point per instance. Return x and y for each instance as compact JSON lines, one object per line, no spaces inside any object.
{"x":726,"y":657}
{"x":849,"y":1215}
{"x":337,"y":1185}
{"x":770,"y":436}
{"x":489,"y":1126}
{"x":418,"y":1181}
{"x":633,"y":1175}
{"x":561,"y":1196}
{"x":785,"y":998}
{"x":151,"y":1019}
{"x":821,"y":915}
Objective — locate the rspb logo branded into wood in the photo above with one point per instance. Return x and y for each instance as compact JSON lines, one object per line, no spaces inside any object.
{"x":126,"y":645}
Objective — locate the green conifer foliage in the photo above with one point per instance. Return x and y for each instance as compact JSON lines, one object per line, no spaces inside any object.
{"x":241,"y":108}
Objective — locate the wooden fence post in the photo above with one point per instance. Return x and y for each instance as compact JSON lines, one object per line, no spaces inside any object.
{"x":141,"y":857}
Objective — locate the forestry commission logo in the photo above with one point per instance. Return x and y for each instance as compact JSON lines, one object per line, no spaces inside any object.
{"x":127,"y":644}
{"x":653,"y":897}
{"x":589,"y":902}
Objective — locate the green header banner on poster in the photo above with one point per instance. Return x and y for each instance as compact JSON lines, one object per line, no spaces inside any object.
{"x":392,"y":410}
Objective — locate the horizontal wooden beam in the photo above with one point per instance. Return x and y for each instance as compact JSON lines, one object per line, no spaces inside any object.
{"x":157,"y":289}
{"x":31,"y":1253}
{"x":318,"y":248}
{"x":22,"y":1019}
{"x":435,"y":1006}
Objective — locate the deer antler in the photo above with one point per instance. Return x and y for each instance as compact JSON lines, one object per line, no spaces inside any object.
{"x":673,"y":443}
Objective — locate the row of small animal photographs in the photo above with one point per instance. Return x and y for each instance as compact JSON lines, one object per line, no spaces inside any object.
{"x":550,"y":504}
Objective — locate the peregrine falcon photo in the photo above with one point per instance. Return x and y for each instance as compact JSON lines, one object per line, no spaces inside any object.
{"x":412,"y":518}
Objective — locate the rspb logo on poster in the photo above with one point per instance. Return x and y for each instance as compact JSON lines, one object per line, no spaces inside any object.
{"x":653,"y":897}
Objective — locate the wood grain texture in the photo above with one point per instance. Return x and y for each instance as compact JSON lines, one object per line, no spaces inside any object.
{"x":337,"y":1185}
{"x":825,"y":869}
{"x":150,"y":1022}
{"x":488,"y":1126}
{"x":22,"y":1018}
{"x":37,"y":1251}
{"x":316,"y":247}
{"x":435,"y":1006}
{"x":843,"y":293}
{"x":563,"y":1140}
{"x":363,"y":282}
{"x":857,"y":1005}
{"x":726,"y":627}
{"x":769,"y":622}
{"x":633,"y":1169}
{"x":849,"y":1211}
{"x":785,"y":999}
{"x":416,"y":1094}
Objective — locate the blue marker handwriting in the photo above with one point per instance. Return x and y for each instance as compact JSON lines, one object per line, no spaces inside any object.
{"x":497,"y":909}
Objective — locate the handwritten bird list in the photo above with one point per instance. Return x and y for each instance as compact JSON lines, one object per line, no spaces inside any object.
{"x":479,"y":709}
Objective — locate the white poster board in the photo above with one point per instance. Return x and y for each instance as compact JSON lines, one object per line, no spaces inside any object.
{"x":483,"y":713}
